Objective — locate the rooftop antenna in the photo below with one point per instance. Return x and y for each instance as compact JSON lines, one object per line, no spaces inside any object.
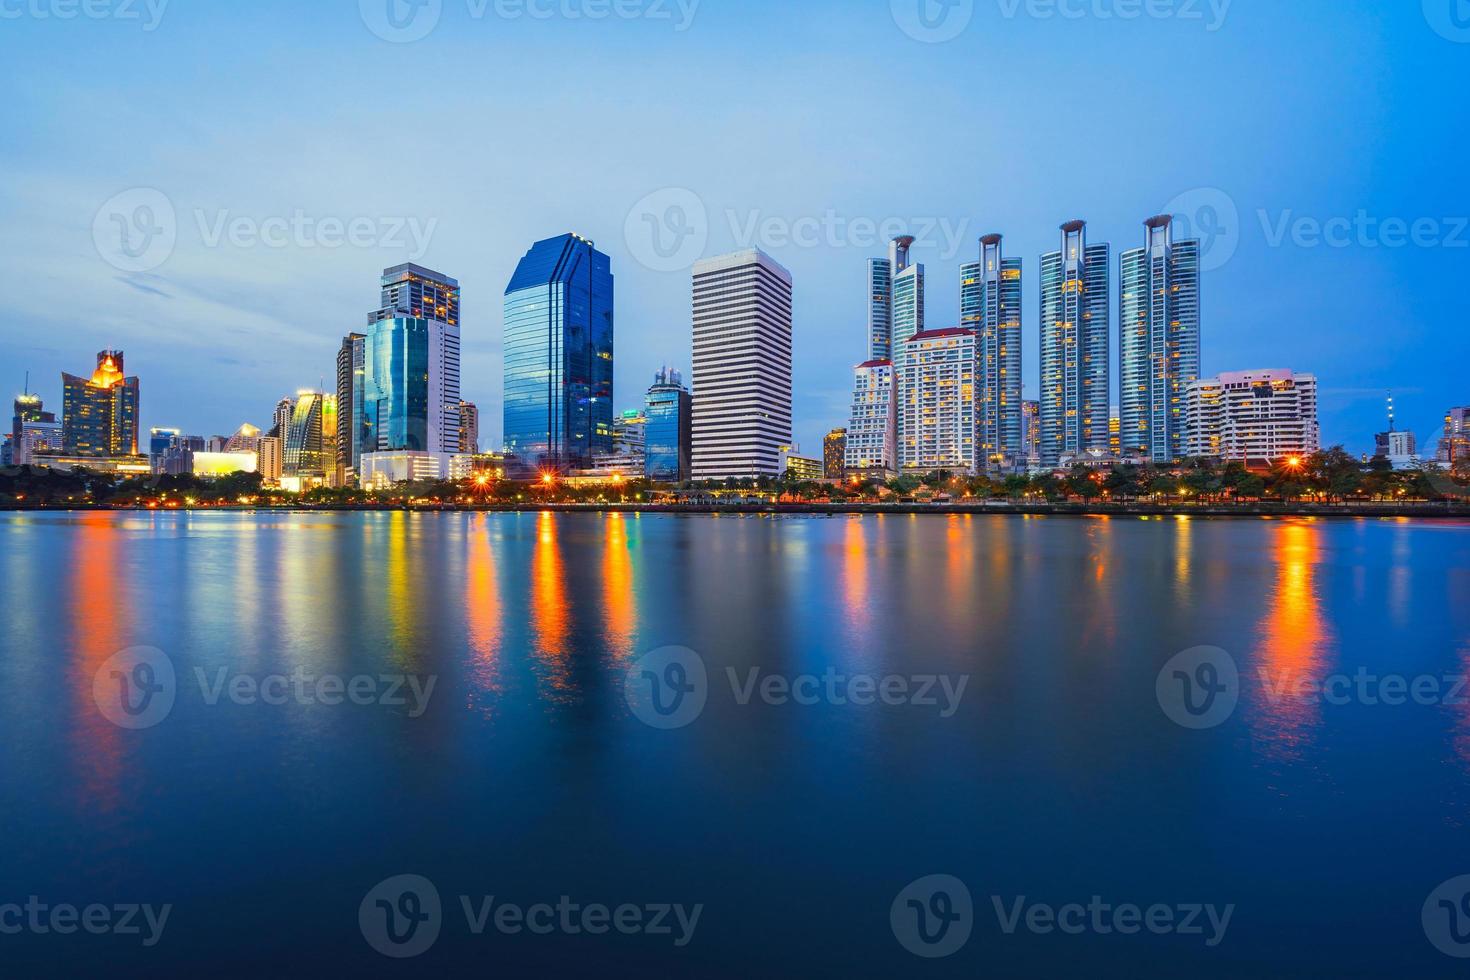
{"x":28,"y":384}
{"x":1390,"y":413}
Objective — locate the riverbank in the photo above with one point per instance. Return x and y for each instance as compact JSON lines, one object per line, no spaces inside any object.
{"x":1356,"y":510}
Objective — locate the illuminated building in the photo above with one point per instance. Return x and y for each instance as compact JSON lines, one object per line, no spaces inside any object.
{"x":215,"y":465}
{"x":1454,"y":445}
{"x":33,"y":431}
{"x":1159,"y":340}
{"x":469,"y":428}
{"x":281,"y":418}
{"x":795,"y":466}
{"x":742,"y":366}
{"x":669,"y":410}
{"x":410,"y":383}
{"x":559,"y":355}
{"x":310,"y":453}
{"x":937,"y":416}
{"x":100,"y":413}
{"x":381,"y":470}
{"x":834,"y":455}
{"x":872,"y":431}
{"x":466,"y":466}
{"x":351,"y":358}
{"x":990,"y":305}
{"x":1254,"y":417}
{"x":270,"y":459}
{"x":1075,"y":352}
{"x":1115,"y":432}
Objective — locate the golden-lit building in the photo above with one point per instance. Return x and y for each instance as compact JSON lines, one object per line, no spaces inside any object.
{"x":834,"y":454}
{"x":100,"y":413}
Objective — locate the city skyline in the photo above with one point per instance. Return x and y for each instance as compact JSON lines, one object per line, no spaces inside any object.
{"x":1363,"y":317}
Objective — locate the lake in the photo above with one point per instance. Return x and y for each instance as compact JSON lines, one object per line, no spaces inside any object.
{"x":319,"y":744}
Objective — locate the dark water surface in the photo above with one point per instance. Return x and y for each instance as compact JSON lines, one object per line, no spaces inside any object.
{"x":1325,"y":822}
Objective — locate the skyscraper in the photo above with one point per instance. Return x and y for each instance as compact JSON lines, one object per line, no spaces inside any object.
{"x":311,"y":440}
{"x":410,"y":384}
{"x":990,"y":305}
{"x":100,"y":413}
{"x":668,"y":432}
{"x":1159,"y":330}
{"x":937,"y":420}
{"x":872,"y":445}
{"x":1454,"y":445}
{"x":469,"y":428}
{"x":1031,"y":432}
{"x":872,"y":431}
{"x":559,"y":355}
{"x":350,"y":375}
{"x":1075,"y":347}
{"x":742,"y":366}
{"x":281,"y":418}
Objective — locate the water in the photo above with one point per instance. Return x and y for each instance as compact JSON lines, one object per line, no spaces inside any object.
{"x":529,"y":775}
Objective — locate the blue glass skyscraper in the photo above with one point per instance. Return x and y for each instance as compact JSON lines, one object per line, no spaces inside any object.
{"x":667,"y":446}
{"x":410,"y":366}
{"x":559,"y":355}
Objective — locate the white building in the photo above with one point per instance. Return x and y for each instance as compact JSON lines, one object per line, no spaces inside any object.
{"x":872,"y":433}
{"x":742,"y":366}
{"x":379,"y":471}
{"x":936,"y":396}
{"x":1403,"y":450}
{"x":1254,"y":417}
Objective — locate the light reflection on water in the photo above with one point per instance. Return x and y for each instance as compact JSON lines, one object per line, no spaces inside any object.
{"x":529,"y":621}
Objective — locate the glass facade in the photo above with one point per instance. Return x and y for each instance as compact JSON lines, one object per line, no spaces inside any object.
{"x":395,"y":399}
{"x":667,"y":434}
{"x":1159,"y":328}
{"x":350,"y":376}
{"x":990,"y":305}
{"x":311,"y":438}
{"x":559,"y":355}
{"x":1076,"y":329}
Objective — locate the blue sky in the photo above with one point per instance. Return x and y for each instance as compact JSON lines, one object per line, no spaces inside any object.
{"x":499,"y":128}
